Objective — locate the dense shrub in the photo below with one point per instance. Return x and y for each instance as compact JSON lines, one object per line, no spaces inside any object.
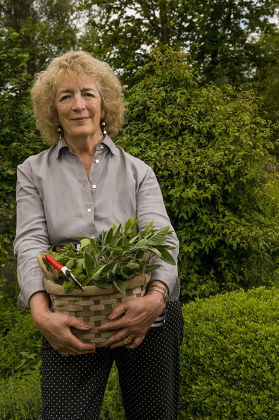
{"x":208,"y":148}
{"x":20,"y":399}
{"x":20,"y":342}
{"x":230,"y":353}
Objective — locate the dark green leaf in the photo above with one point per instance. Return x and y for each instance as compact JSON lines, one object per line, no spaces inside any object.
{"x":119,"y":285}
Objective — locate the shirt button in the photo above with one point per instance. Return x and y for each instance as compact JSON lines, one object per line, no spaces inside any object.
{"x":102,"y":146}
{"x":89,"y":210}
{"x":94,"y":186}
{"x":97,"y":161}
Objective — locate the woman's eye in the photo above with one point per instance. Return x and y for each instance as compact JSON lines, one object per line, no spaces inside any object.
{"x":63,"y":98}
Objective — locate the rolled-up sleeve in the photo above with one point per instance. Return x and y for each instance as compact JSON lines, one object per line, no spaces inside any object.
{"x":31,"y":235}
{"x":150,"y":207}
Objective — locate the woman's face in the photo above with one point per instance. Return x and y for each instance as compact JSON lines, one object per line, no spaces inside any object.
{"x":78,"y":104}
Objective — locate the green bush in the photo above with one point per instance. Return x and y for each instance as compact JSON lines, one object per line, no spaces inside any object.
{"x":208,"y":148}
{"x":20,"y":343}
{"x":229,"y":360}
{"x":229,"y":364}
{"x":20,"y":399}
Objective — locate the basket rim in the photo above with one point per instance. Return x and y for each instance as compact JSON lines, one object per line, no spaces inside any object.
{"x":57,"y":289}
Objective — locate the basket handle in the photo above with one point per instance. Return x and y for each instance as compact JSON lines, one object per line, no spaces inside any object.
{"x":41,"y":261}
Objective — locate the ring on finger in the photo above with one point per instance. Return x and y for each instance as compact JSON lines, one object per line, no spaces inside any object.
{"x":128,"y":340}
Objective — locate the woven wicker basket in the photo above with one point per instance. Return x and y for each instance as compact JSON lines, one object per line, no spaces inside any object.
{"x":92,"y":305}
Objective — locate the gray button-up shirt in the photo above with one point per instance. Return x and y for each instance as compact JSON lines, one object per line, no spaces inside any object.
{"x":57,"y":202}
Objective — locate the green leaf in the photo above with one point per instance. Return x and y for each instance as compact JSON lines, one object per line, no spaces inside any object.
{"x":153,"y":250}
{"x":104,"y":284}
{"x":141,"y":243}
{"x":116,"y":249}
{"x":167,"y":257}
{"x":130,"y":225}
{"x":94,"y":248}
{"x":150,"y":268}
{"x":114,"y":268}
{"x":133,"y":266}
{"x":69,"y":264}
{"x":108,"y":236}
{"x":84,"y":242}
{"x":97,"y":274}
{"x":160,"y":236}
{"x":116,"y":230}
{"x":119,"y":285}
{"x":88,"y":262}
{"x":134,"y":238}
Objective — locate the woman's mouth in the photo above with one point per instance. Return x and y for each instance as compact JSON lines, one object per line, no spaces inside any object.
{"x":80,"y":119}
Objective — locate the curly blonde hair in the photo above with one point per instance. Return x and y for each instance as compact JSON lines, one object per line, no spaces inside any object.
{"x":43,"y":92}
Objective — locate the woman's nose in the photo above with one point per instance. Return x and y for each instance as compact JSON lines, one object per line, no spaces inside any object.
{"x":78,"y":103}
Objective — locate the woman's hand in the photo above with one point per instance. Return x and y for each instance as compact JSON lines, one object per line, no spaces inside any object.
{"x":55,"y":327}
{"x":137,"y":315}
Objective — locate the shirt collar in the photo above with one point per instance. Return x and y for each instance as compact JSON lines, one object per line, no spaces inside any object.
{"x":107,"y":142}
{"x":60,"y":145}
{"x":110,"y":144}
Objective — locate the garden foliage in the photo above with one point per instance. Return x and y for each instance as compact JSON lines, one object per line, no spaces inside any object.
{"x":20,"y":343}
{"x":120,"y":254}
{"x":20,"y":398}
{"x":229,"y":362}
{"x":208,"y":148}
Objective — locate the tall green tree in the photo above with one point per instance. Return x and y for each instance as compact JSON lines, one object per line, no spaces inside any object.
{"x":46,"y":28}
{"x":32,"y":32}
{"x":266,"y":80}
{"x":216,"y":33}
{"x":13,"y":13}
{"x":17,"y":129}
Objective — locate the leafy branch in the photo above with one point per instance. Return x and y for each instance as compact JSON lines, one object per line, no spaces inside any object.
{"x":118,"y":256}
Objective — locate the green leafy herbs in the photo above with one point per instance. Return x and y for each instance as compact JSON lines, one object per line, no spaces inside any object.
{"x":119,"y":255}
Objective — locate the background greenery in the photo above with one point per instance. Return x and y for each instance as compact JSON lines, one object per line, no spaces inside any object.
{"x":201,"y":86}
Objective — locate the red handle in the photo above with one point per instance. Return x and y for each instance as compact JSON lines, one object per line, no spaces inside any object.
{"x":53,"y":262}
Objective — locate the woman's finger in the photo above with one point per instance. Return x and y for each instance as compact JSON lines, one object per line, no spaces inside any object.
{"x":58,"y":333}
{"x":136,"y":342}
{"x":118,"y":311}
{"x":118,"y":338}
{"x":139,"y":314}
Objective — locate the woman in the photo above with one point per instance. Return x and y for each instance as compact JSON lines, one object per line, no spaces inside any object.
{"x":81,"y":186}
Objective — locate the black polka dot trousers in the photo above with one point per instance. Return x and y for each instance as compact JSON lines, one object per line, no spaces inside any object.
{"x":149,"y":376}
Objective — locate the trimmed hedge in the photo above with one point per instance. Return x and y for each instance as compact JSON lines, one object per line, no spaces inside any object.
{"x":230,"y":365}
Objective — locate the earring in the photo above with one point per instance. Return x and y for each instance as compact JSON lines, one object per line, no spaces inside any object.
{"x":103,"y":126}
{"x":60,"y":132}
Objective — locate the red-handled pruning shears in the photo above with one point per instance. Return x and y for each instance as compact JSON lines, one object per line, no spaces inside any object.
{"x":65,"y":270}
